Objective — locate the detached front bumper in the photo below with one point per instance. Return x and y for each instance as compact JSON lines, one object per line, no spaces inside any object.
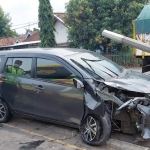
{"x":143,"y":106}
{"x":145,"y":126}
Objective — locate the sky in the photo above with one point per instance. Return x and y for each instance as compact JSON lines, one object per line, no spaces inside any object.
{"x":25,"y":12}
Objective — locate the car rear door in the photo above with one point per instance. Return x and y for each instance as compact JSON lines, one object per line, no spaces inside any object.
{"x":16,"y":87}
{"x":57,"y":98}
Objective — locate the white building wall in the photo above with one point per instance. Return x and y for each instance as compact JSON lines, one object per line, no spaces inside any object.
{"x":61,"y":33}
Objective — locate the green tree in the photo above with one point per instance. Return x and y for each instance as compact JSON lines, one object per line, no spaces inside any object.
{"x":86,"y":20}
{"x":36,"y":30}
{"x":46,"y":24}
{"x":5,"y":25}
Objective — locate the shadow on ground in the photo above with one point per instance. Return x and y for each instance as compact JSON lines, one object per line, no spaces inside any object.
{"x":129,"y":138}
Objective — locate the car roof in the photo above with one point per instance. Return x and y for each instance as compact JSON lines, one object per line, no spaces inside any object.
{"x":52,"y":51}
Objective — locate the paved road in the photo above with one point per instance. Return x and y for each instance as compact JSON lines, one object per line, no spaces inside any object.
{"x":27,"y":134}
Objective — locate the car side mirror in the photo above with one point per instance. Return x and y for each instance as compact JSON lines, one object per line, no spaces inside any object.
{"x":78,"y":84}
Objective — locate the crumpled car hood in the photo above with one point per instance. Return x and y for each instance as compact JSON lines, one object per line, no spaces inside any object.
{"x":132,"y":81}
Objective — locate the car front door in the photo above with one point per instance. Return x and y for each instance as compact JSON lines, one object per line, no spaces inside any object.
{"x":57,"y":98}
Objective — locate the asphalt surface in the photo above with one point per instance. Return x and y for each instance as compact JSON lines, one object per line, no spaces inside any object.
{"x":27,"y":134}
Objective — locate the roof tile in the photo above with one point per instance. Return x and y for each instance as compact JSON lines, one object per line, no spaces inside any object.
{"x":33,"y":37}
{"x":60,"y":15}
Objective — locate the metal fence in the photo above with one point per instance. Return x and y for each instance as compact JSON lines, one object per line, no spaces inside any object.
{"x":123,"y":59}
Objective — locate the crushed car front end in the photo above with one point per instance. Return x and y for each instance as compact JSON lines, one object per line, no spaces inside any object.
{"x":125,"y":93}
{"x":127,"y":100}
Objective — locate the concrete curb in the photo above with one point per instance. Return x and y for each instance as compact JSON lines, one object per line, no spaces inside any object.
{"x":121,"y":145}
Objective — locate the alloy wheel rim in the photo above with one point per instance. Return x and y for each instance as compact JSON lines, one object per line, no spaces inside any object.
{"x":2,"y":111}
{"x":90,"y":129}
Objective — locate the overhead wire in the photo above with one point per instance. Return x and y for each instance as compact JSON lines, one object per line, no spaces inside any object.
{"x":25,"y":26}
{"x":24,"y":23}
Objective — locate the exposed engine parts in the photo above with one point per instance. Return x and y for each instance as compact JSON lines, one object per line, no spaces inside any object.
{"x":145,"y":124}
{"x":131,"y":109}
{"x":132,"y":104}
{"x":104,"y":93}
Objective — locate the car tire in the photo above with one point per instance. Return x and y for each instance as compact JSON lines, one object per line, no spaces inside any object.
{"x":96,"y":130}
{"x":4,"y":112}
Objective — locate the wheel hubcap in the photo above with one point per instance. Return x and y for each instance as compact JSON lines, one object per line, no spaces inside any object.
{"x":90,"y":128}
{"x":2,"y":111}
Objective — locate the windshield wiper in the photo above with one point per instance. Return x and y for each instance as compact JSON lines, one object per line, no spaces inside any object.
{"x":88,"y":64}
{"x":86,"y":68}
{"x":99,"y":64}
{"x":110,"y":70}
{"x":90,"y":59}
{"x":85,"y":60}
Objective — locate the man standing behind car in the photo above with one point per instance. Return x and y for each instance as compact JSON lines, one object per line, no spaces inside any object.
{"x":15,"y":69}
{"x":12,"y":82}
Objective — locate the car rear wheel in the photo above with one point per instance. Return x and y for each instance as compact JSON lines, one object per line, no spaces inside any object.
{"x":4,"y":112}
{"x":96,"y":130}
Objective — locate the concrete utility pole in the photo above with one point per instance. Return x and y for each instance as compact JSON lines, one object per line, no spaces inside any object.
{"x":126,"y":40}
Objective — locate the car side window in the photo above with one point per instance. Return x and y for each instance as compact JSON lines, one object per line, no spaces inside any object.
{"x":19,"y":66}
{"x":53,"y":71}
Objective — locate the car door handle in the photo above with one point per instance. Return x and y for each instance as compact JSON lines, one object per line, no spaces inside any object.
{"x":2,"y":78}
{"x":39,"y":87}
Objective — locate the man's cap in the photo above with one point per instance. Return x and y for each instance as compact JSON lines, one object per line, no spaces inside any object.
{"x":18,"y":61}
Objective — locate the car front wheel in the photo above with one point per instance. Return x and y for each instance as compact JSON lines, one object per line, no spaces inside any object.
{"x":96,"y":130}
{"x":4,"y":112}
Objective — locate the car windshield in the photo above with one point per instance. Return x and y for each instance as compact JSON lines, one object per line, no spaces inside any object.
{"x":96,"y":65}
